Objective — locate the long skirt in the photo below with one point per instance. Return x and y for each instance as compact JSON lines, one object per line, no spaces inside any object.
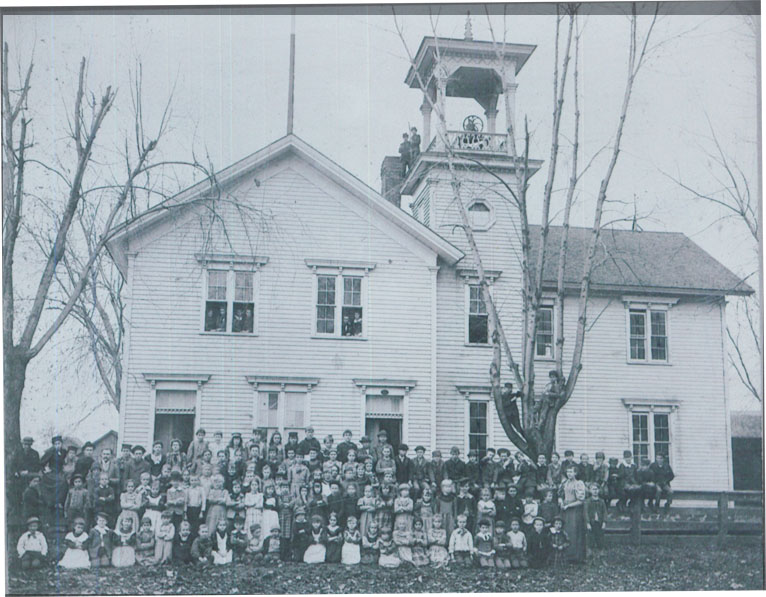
{"x":364,"y":521}
{"x":350,"y":554}
{"x":369,"y":555}
{"x":222,"y":558}
{"x":389,"y":560}
{"x":574,"y":525}
{"x":215,"y":513}
{"x":254,"y":516}
{"x":333,"y":552}
{"x":123,"y":556}
{"x":419,"y":556}
{"x":145,"y":557}
{"x":405,"y":553}
{"x":155,"y":516}
{"x":438,"y":555}
{"x":315,"y":554}
{"x":74,"y":559}
{"x":269,"y":521}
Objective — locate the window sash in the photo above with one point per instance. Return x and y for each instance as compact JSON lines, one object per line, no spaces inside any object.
{"x":339,"y":305}
{"x":648,"y":335}
{"x":281,"y":410}
{"x":325,"y":310}
{"x":478,"y":319}
{"x":544,"y":339}
{"x":230,"y":301}
{"x":478,"y":426}
{"x":651,"y":434}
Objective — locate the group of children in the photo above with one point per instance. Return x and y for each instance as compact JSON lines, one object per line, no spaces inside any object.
{"x":215,"y":503}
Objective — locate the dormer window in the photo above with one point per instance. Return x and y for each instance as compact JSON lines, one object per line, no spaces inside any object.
{"x":481,"y":215}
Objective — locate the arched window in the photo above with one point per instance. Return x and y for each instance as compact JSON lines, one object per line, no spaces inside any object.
{"x":481,"y":215}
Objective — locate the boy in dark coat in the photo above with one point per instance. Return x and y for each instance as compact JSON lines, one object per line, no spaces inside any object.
{"x":595,"y":516}
{"x":454,"y":468}
{"x":436,"y":471}
{"x":538,"y":544}
{"x":182,"y":544}
{"x":301,"y":534}
{"x":403,"y":465}
{"x":31,"y":502}
{"x":663,"y":475}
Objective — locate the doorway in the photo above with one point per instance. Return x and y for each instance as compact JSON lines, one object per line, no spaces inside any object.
{"x":168,"y":427}
{"x":393,"y":426}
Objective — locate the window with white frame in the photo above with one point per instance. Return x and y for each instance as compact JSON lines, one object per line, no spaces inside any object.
{"x":340,"y":298}
{"x":282,"y":411}
{"x":229,"y":304}
{"x":478,"y":426}
{"x":478,"y":319}
{"x":648,"y":334}
{"x":544,"y":339}
{"x":650,"y":433}
{"x":480,"y":215}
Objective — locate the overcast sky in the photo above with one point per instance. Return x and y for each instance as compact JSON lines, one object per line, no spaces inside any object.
{"x":228,"y":73}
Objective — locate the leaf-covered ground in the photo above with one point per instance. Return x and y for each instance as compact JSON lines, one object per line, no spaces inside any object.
{"x":618,"y":568}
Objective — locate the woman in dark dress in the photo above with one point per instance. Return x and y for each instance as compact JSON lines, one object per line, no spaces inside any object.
{"x":572,"y":499}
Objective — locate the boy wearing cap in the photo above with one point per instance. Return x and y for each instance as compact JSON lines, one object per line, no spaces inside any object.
{"x":403,"y":465}
{"x":419,"y":475}
{"x":345,"y":446}
{"x":197,"y":447}
{"x":595,"y":515}
{"x":32,"y":546}
{"x":364,"y":452}
{"x":539,"y":544}
{"x":629,"y":487}
{"x":176,"y":498}
{"x":84,"y":460}
{"x":436,"y":470}
{"x":26,"y":461}
{"x":377,"y":451}
{"x":308,"y":442}
{"x":506,"y":469}
{"x":472,"y":471}
{"x":137,"y":465}
{"x":454,"y":468}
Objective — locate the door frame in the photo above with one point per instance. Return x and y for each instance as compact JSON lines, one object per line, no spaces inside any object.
{"x":174,"y":381}
{"x":393,"y":387}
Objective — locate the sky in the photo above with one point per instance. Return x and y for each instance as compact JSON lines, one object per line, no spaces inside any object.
{"x":227,"y":72}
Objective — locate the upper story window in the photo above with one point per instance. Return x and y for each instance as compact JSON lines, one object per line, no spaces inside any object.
{"x":340,"y":298}
{"x":544,"y":340}
{"x":648,"y":334}
{"x":478,"y":319}
{"x":481,"y":215}
{"x":230,"y":293}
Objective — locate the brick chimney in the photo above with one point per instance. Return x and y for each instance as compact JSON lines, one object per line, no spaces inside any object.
{"x":391,"y":179}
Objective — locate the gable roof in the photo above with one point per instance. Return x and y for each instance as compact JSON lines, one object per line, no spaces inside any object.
{"x":640,"y":262}
{"x":287,"y":145}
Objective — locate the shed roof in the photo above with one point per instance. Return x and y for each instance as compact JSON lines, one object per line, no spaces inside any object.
{"x":634,"y":261}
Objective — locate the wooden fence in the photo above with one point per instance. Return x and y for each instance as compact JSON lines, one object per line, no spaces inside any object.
{"x":713,"y":514}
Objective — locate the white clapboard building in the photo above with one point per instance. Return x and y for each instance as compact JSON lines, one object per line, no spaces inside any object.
{"x":292,"y":294}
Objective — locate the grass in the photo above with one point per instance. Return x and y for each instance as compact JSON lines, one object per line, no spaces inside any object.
{"x":617,"y":568}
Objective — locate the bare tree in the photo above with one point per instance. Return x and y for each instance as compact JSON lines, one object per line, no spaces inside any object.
{"x":534,"y":433}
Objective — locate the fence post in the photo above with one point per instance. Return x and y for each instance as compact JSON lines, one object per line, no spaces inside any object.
{"x":635,"y":521}
{"x":723,"y":516}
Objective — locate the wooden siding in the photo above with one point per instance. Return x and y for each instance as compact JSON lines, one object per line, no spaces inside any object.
{"x":304,"y":216}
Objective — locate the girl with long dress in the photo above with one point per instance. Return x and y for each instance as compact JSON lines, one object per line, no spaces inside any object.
{"x":352,"y":538}
{"x":334,"y":540}
{"x":270,"y":508}
{"x":124,"y":550}
{"x":368,"y":505}
{"x":389,"y":552}
{"x":316,"y":551}
{"x":145,"y":542}
{"x":385,"y":514}
{"x":572,"y":499}
{"x":425,"y":508}
{"x":403,"y":507}
{"x":216,"y":502}
{"x":437,"y":542}
{"x":253,"y":502}
{"x":403,"y":540}
{"x":154,"y":504}
{"x":370,"y":543}
{"x":419,"y":544}
{"x":76,"y":555}
{"x":130,"y":502}
{"x":485,"y":510}
{"x":447,"y":506}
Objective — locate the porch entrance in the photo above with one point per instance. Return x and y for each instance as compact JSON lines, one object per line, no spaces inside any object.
{"x":168,"y":427}
{"x":384,"y":411}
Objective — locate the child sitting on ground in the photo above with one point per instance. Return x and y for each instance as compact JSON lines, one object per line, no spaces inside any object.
{"x":239,"y":538}
{"x":145,"y":543}
{"x":389,"y":553}
{"x":485,"y":549}
{"x":202,"y":548}
{"x":222,"y":553}
{"x":316,"y":551}
{"x":352,"y":538}
{"x":518,"y":543}
{"x":182,"y":544}
{"x":370,"y":543}
{"x":32,"y":546}
{"x":502,"y":546}
{"x":403,"y":541}
{"x":163,"y":548}
{"x":76,"y":541}
{"x":124,"y":551}
{"x":419,"y":543}
{"x":437,"y":542}
{"x":254,"y":544}
{"x":461,"y":543}
{"x":539,"y":544}
{"x":559,"y":540}
{"x":100,"y":542}
{"x":271,"y":545}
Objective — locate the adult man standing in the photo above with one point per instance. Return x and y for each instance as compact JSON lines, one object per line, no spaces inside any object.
{"x":405,"y":154}
{"x":55,"y":456}
{"x":345,"y":446}
{"x":25,"y":461}
{"x":414,"y":145}
{"x":197,"y":447}
{"x":309,"y":442}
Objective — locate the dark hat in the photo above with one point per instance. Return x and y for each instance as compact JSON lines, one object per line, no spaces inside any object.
{"x":56,"y":438}
{"x":502,"y":451}
{"x":77,"y":476}
{"x":88,"y":445}
{"x":201,"y":430}
{"x":176,"y":476}
{"x":557,"y":517}
{"x":126,"y":446}
{"x":293,"y":434}
{"x":568,"y":453}
{"x":157,"y":442}
{"x":491,"y":450}
{"x":627,"y":454}
{"x":102,"y":515}
{"x":137,"y":448}
{"x":27,"y":440}
{"x":236,"y":434}
{"x":600,"y":455}
{"x":420,"y":449}
{"x":32,"y":519}
{"x":472,"y":453}
{"x":464,"y":481}
{"x":348,"y":431}
{"x":300,"y":510}
{"x":365,"y":439}
{"x":403,"y":447}
{"x":382,"y":432}
{"x":540,"y":518}
{"x":436,"y":453}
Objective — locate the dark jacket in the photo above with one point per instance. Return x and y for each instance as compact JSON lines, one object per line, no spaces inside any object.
{"x":539,"y":548}
{"x":182,"y":550}
{"x":662,"y":474}
{"x":454,"y":469}
{"x":403,"y":470}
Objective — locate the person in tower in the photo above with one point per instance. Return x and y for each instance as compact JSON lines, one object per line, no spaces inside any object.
{"x":405,"y":153}
{"x":414,"y":144}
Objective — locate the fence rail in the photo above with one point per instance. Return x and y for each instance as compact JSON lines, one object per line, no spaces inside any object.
{"x":702,"y":513}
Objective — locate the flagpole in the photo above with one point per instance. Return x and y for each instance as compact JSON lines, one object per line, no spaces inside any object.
{"x":291,"y":88}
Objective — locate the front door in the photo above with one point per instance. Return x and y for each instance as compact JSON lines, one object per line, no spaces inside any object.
{"x":168,"y":427}
{"x":393,"y":427}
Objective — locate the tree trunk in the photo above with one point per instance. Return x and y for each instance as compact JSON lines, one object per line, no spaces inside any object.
{"x":14,"y":378}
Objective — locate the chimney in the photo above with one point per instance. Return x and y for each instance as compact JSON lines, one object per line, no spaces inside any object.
{"x":391,"y":179}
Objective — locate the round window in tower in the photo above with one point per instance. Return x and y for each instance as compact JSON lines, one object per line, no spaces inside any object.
{"x":481,"y":215}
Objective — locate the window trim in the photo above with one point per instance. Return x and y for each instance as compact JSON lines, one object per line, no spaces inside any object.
{"x":477,"y":395}
{"x":651,"y":407}
{"x":469,"y":281}
{"x":339,"y":270}
{"x":648,"y":308}
{"x":191,"y":382}
{"x":232,"y":265}
{"x":492,"y":218}
{"x":281,"y":385}
{"x":548,"y":304}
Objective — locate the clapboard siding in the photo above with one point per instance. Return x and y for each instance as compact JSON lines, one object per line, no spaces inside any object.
{"x":302,"y":219}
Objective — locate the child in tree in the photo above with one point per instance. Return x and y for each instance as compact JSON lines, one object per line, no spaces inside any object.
{"x":437,"y":542}
{"x":100,"y":540}
{"x":539,"y":544}
{"x":461,"y":543}
{"x":145,"y":543}
{"x":76,"y":541}
{"x":222,"y":553}
{"x":163,"y":548}
{"x":32,"y":546}
{"x":317,"y":550}
{"x":559,"y":541}
{"x":130,"y":502}
{"x":124,"y":550}
{"x":485,"y":548}
{"x":518,"y":543}
{"x":389,"y":552}
{"x":403,"y":539}
{"x":352,"y":538}
{"x":369,"y":551}
{"x":502,"y":546}
{"x":334,"y":540}
{"x":182,"y":544}
{"x":202,"y":548}
{"x":419,"y":543}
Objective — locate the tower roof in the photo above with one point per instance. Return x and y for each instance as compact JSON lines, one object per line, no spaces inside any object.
{"x":480,"y":54}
